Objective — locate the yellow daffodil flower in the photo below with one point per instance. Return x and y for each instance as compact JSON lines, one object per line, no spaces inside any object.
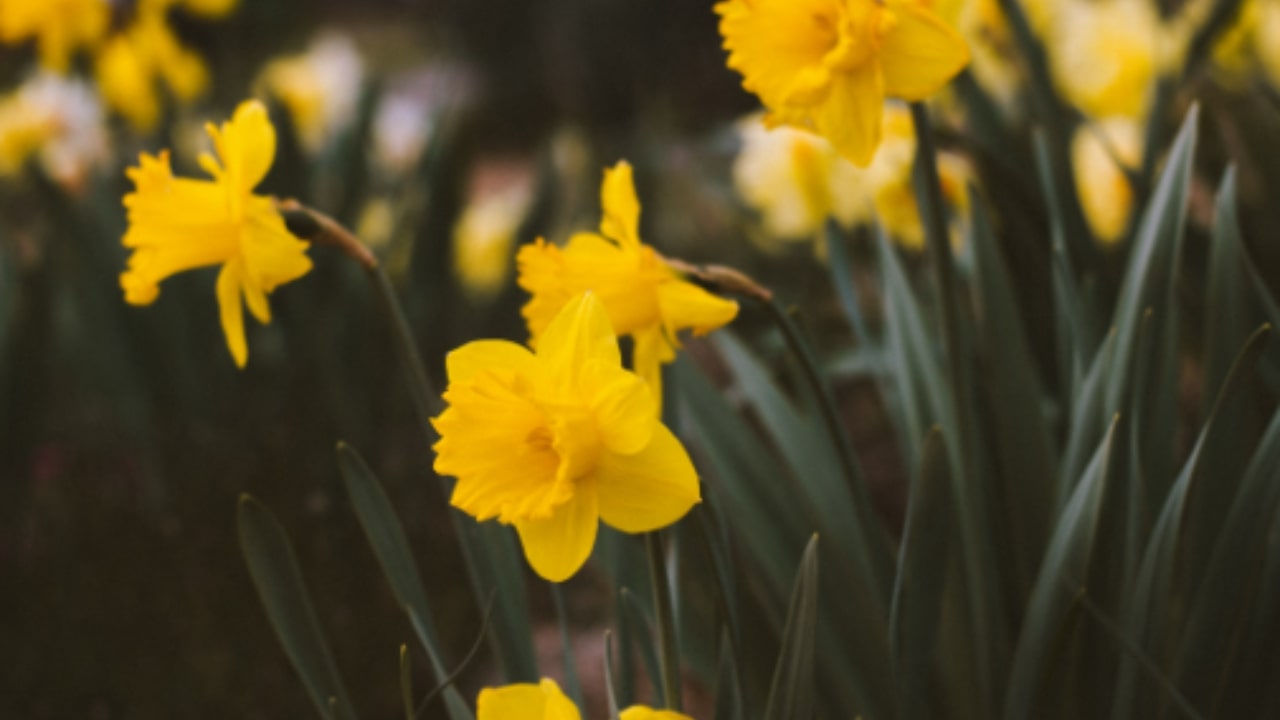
{"x":484,"y":237}
{"x":320,"y":88}
{"x":178,"y":224}
{"x":644,"y":297}
{"x":1106,"y":195}
{"x":57,"y":120}
{"x":556,"y":441}
{"x":545,"y":701}
{"x":59,"y":27}
{"x":827,"y":65}
{"x":133,"y":62}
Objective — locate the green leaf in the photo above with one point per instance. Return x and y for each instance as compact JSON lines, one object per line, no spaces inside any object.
{"x":791,"y":695}
{"x":274,"y":569}
{"x":1226,"y":317}
{"x":610,"y":696}
{"x":923,"y":561}
{"x":1063,"y":569}
{"x":391,"y":547}
{"x":729,"y":704}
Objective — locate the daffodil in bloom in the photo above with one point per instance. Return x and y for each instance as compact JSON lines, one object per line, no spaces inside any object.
{"x":1100,"y":154}
{"x":134,"y":63}
{"x":642,"y":295}
{"x":545,"y":701}
{"x":557,"y":441}
{"x":319,"y":88}
{"x":178,"y":224}
{"x":59,"y":122}
{"x":827,"y":65}
{"x":1252,"y":42}
{"x":59,"y":27}
{"x":485,"y":234}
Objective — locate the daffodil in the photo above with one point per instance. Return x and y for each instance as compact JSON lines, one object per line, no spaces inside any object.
{"x":642,"y":295}
{"x":59,"y":27}
{"x":178,"y":224}
{"x":558,"y":440}
{"x":485,"y":234}
{"x":545,"y":701}
{"x":827,"y":65}
{"x":133,"y":63}
{"x":56,"y":120}
{"x":1100,"y":154}
{"x":319,"y":88}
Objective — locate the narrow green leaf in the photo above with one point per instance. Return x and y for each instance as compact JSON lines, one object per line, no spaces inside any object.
{"x":923,"y":561}
{"x":1226,"y":321}
{"x":391,"y":547}
{"x":274,"y":569}
{"x":729,"y":704}
{"x":406,"y":683}
{"x":791,"y":695}
{"x":610,"y":696}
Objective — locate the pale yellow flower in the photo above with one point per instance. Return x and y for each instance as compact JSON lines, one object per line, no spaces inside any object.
{"x":827,"y":65}
{"x":643,"y":296}
{"x":178,"y":224}
{"x":1106,"y":195}
{"x":133,"y":63}
{"x":558,"y":441}
{"x":485,"y":234}
{"x":59,"y":122}
{"x":320,"y":88}
{"x":59,"y":27}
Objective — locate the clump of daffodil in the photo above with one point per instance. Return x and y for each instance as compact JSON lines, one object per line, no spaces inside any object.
{"x":1100,"y":153}
{"x":135,"y":62}
{"x":57,"y":121}
{"x":827,"y":65}
{"x":545,"y":701}
{"x":558,"y":440}
{"x":642,"y":295}
{"x":58,"y":27}
{"x":485,"y":234}
{"x":178,"y":224}
{"x":796,"y":181}
{"x":320,"y":88}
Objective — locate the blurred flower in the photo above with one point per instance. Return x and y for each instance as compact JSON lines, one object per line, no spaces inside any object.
{"x":1106,"y":194}
{"x":558,"y":441}
{"x":1106,"y":55}
{"x":57,"y":120}
{"x":797,"y":181}
{"x":644,"y":297}
{"x":213,"y":9}
{"x":320,"y":88}
{"x":545,"y":701}
{"x":827,"y":65}
{"x":401,"y":127}
{"x":133,"y":62}
{"x":178,"y":224}
{"x":1252,"y":42}
{"x":485,"y":234}
{"x":59,"y":27}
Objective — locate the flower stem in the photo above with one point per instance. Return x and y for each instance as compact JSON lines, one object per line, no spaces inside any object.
{"x":668,"y":650}
{"x":426,"y":401}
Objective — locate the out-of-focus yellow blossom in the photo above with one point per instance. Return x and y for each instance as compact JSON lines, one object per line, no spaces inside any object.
{"x":1252,"y":41}
{"x":485,"y":235}
{"x":644,"y":297}
{"x":556,"y":441}
{"x":57,"y":120}
{"x":213,"y":9}
{"x":134,"y":62}
{"x":320,"y":88}
{"x":827,"y":65}
{"x":1105,"y":56}
{"x":1106,"y":194}
{"x":178,"y":224}
{"x":545,"y":701}
{"x":59,"y":27}
{"x":796,"y":180}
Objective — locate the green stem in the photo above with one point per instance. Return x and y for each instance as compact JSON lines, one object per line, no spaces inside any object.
{"x":572,"y":684}
{"x":668,"y":651}
{"x":426,"y":401}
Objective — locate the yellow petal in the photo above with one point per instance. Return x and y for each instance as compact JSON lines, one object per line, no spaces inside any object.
{"x":463,"y":363}
{"x":525,"y":701}
{"x":640,"y":712}
{"x":558,"y":546}
{"x":247,"y":145}
{"x":685,"y":305}
{"x":852,"y":113}
{"x":920,"y":53}
{"x":623,"y":405}
{"x":579,"y":333}
{"x":650,"y":350}
{"x":228,"y":291}
{"x":772,"y":41}
{"x":272,"y":255}
{"x":649,"y":490}
{"x":621,"y":220}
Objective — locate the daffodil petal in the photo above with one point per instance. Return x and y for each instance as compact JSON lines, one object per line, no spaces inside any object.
{"x":685,"y":305}
{"x":526,"y":701}
{"x":232,"y":314}
{"x":640,"y":712}
{"x":920,"y":53}
{"x":579,"y":332}
{"x":558,"y":546}
{"x":479,"y":355}
{"x":247,"y":144}
{"x":621,"y":220}
{"x":648,"y":490}
{"x":852,"y":114}
{"x":650,"y":350}
{"x":625,"y":409}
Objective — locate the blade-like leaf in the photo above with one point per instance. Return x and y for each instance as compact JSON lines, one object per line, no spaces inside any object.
{"x":791,"y":695}
{"x":274,"y":569}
